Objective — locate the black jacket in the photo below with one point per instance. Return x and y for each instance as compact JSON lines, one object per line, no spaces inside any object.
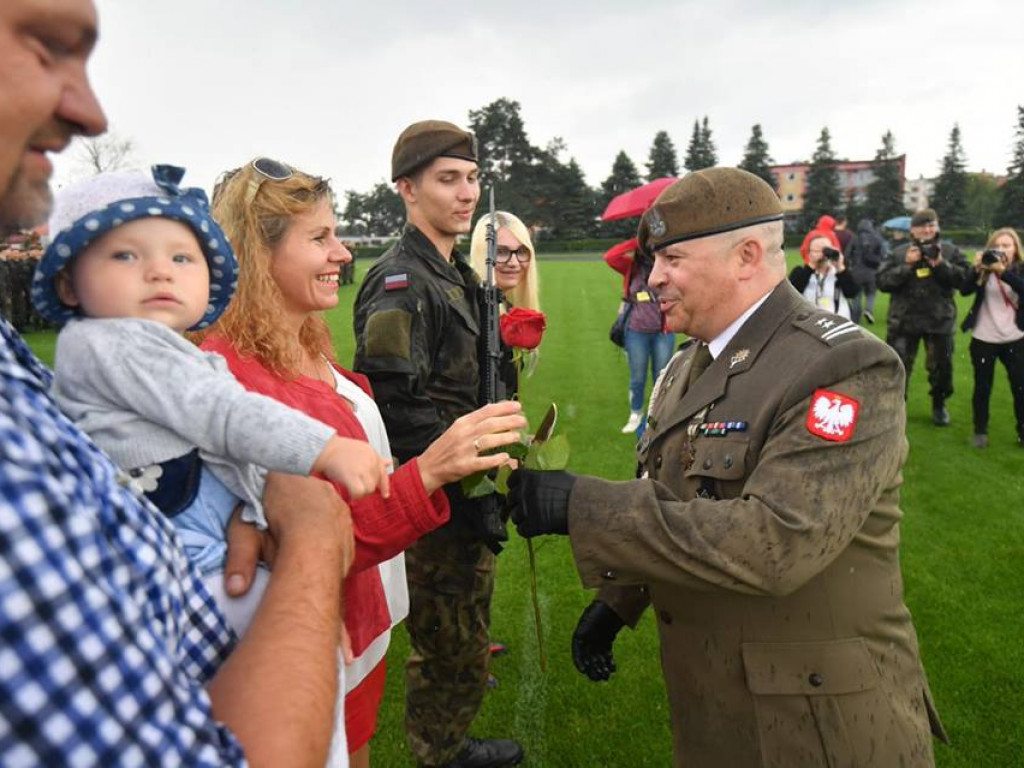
{"x":922,"y":296}
{"x":1013,"y":277}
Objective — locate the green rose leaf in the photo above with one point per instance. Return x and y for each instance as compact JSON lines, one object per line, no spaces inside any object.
{"x":550,"y":455}
{"x":477,"y":485}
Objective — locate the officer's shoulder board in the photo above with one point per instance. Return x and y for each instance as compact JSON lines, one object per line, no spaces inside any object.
{"x":827,"y":328}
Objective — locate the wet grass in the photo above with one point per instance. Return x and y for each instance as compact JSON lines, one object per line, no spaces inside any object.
{"x":962,"y":554}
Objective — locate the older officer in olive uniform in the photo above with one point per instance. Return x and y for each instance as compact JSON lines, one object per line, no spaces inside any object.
{"x":923,"y":276}
{"x":417,"y":326}
{"x":765,"y":527}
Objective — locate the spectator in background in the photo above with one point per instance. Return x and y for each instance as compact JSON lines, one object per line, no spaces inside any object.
{"x":867,"y":252}
{"x":824,"y":228}
{"x":996,"y":323}
{"x":649,"y":344}
{"x":922,"y":277}
{"x":825,"y":281}
{"x":844,"y":235}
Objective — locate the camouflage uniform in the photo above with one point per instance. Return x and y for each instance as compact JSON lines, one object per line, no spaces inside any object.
{"x":922,"y":309}
{"x":770,"y":551}
{"x":417,"y":330}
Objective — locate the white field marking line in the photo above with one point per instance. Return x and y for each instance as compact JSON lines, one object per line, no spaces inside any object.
{"x":531,"y":701}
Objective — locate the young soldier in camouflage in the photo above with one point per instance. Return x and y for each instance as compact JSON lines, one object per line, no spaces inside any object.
{"x":417,"y":326}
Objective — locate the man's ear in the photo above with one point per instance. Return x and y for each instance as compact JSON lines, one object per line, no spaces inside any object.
{"x":406,"y":189}
{"x":65,"y":288}
{"x":750,"y":253}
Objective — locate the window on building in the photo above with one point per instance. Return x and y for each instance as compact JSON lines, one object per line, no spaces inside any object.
{"x":790,"y":176}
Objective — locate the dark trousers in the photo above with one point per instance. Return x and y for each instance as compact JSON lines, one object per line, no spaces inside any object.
{"x":983,"y":358}
{"x":938,"y":350}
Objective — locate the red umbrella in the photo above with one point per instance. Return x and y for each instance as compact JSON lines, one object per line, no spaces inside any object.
{"x":636,"y":201}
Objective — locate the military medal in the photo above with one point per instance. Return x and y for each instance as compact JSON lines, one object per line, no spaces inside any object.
{"x":719,"y":428}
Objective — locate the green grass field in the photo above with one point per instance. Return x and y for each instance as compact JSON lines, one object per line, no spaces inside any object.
{"x":963,"y":562}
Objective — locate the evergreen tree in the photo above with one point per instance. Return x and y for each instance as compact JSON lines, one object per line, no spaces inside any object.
{"x":756,"y":159}
{"x":571,"y":202}
{"x":624,"y":177}
{"x":885,"y":192}
{"x":694,"y":155}
{"x":981,"y":200}
{"x":823,"y":195}
{"x":1010,"y":212}
{"x":950,"y":196}
{"x":662,"y":160}
{"x":709,"y":154}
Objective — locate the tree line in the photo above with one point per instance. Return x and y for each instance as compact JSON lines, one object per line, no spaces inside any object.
{"x":546,"y":187}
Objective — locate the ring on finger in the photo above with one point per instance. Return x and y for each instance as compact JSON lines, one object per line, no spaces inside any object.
{"x":476,"y":445}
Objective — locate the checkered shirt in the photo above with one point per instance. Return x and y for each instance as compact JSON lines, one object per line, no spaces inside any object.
{"x":107,"y":634}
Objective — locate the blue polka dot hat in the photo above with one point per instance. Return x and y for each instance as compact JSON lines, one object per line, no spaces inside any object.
{"x":84,"y":212}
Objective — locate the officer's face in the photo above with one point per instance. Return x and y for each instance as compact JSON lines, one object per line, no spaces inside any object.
{"x":695,"y":281}
{"x":442,"y":197}
{"x":306,"y":263}
{"x":45,"y":98}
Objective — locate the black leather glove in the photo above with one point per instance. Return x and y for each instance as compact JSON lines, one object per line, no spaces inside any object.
{"x":539,"y":501}
{"x":482,"y":517}
{"x":592,"y":641}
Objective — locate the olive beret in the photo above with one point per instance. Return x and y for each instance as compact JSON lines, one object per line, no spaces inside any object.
{"x":924,"y":216}
{"x":421,"y":142}
{"x":708,"y":202}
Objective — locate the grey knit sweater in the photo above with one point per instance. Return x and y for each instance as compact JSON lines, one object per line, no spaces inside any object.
{"x":146,"y":395}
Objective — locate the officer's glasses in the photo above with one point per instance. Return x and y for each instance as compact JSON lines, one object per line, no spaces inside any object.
{"x":504,"y":254}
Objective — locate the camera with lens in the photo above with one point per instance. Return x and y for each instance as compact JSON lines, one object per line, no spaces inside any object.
{"x":990,"y":257}
{"x":929,"y":250}
{"x":831,"y":254}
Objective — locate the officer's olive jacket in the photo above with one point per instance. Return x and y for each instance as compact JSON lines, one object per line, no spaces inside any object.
{"x":416,"y":321}
{"x":922,"y":296}
{"x":785,"y":640}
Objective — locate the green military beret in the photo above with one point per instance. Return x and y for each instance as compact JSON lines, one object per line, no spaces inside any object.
{"x":706,"y":203}
{"x":924,"y":216}
{"x":421,"y":142}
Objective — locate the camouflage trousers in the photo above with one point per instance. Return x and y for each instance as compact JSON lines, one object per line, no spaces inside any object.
{"x":451,"y":578}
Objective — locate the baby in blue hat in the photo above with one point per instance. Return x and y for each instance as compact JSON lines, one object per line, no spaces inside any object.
{"x":136,"y":261}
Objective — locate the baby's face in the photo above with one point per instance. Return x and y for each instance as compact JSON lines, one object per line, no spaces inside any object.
{"x":152,"y":269}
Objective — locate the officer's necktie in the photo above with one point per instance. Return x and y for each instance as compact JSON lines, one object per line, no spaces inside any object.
{"x":701,"y":360}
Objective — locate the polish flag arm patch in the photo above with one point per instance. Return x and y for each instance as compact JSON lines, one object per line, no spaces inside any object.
{"x":832,"y":416}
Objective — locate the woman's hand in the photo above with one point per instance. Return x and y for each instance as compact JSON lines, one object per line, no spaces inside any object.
{"x":354,"y":464}
{"x":456,"y":453}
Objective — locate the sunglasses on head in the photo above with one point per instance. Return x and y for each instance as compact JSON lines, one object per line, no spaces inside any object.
{"x":267,"y":169}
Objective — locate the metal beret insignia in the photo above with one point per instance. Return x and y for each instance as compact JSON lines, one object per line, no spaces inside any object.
{"x":655,"y":223}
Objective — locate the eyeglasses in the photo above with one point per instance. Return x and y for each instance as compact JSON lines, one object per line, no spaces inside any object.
{"x":504,"y":254}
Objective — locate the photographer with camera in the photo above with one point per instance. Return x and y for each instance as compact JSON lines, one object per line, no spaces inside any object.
{"x":996,"y":323}
{"x":922,"y":277}
{"x":824,"y":280}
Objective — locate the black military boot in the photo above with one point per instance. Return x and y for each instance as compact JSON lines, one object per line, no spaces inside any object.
{"x":940,"y":416}
{"x":487,"y":753}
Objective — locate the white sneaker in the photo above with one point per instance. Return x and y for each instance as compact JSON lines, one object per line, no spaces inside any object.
{"x":635,"y":417}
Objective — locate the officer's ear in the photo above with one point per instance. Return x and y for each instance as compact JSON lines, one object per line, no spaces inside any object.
{"x":750,"y":254}
{"x":65,"y":288}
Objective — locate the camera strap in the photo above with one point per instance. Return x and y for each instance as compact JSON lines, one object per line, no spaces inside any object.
{"x":1006,"y":297}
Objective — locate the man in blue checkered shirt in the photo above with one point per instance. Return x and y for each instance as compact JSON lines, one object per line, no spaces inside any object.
{"x":112,"y":652}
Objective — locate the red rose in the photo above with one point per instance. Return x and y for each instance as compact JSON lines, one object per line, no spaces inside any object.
{"x":522,"y":328}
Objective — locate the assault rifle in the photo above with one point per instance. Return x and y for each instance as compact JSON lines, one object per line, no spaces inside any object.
{"x":488,"y":521}
{"x":492,"y":387}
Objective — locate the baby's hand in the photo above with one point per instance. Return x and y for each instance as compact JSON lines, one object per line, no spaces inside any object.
{"x":356,"y":465}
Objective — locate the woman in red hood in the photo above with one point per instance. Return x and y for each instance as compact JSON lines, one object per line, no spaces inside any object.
{"x":826,"y":227}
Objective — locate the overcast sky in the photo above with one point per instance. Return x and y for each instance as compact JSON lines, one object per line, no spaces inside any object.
{"x":327,"y":85}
